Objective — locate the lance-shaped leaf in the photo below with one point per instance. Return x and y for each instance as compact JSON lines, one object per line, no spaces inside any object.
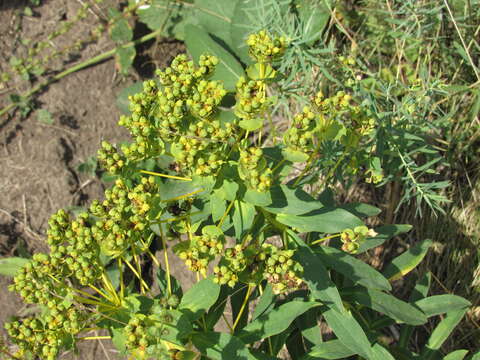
{"x":275,"y":321}
{"x":326,"y":220}
{"x":387,"y":304}
{"x":354,"y":269}
{"x":316,"y":275}
{"x":441,"y":304}
{"x":348,"y":331}
{"x":403,"y":264}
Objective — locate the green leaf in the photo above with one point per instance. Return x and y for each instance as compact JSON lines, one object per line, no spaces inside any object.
{"x":326,"y":220}
{"x":403,"y":264}
{"x":89,"y":166}
{"x":217,"y":205}
{"x":125,"y":57}
{"x":291,"y":201}
{"x":361,"y":210}
{"x":348,"y":331}
{"x":257,"y":198}
{"x":386,"y":304}
{"x":307,"y":323}
{"x":267,"y":300}
{"x":242,"y":218}
{"x":476,"y":356}
{"x":171,"y":17}
{"x":221,"y":346}
{"x":198,"y":299}
{"x":228,"y":69}
{"x":294,"y":155}
{"x":121,"y":31}
{"x":380,"y":353}
{"x":314,"y":16}
{"x":251,"y":124}
{"x":119,"y":339}
{"x":11,"y":265}
{"x":275,"y":321}
{"x":352,"y":268}
{"x":241,"y":27}
{"x":44,"y":116}
{"x":456,"y":355}
{"x":315,"y":275}
{"x":215,"y":17}
{"x":179,"y":328}
{"x":333,"y":349}
{"x":122,"y":98}
{"x":441,"y":333}
{"x":440,"y":304}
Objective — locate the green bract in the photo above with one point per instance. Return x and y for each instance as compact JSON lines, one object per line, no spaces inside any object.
{"x":200,"y":178}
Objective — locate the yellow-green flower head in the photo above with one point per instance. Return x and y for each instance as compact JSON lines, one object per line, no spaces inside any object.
{"x":263,"y":48}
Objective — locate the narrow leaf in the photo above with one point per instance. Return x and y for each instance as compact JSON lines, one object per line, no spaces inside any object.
{"x":316,"y":275}
{"x":348,"y":331}
{"x":354,"y":269}
{"x":440,"y":304}
{"x":275,"y":321}
{"x":10,"y":266}
{"x":333,"y":349}
{"x":403,"y":264}
{"x":386,"y":304}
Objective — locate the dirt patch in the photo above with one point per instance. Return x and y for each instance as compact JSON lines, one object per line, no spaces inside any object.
{"x":39,"y":161}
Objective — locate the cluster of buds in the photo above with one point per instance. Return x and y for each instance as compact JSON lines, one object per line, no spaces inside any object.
{"x":123,"y":215}
{"x":44,"y":335}
{"x":280,"y":269}
{"x":352,"y":239}
{"x":253,"y":169}
{"x":265,"y":49}
{"x":200,"y":251}
{"x":110,"y":159}
{"x":233,"y":262}
{"x":144,"y":333}
{"x":299,"y":136}
{"x":46,"y":343}
{"x":251,"y":98}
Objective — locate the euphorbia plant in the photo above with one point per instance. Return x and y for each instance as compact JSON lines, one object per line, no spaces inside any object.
{"x":202,"y":177}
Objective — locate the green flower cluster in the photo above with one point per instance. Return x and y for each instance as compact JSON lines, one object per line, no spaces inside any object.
{"x":44,"y":335}
{"x":300,"y":135}
{"x":352,"y":239}
{"x":110,"y":158}
{"x":145,"y":333}
{"x":265,"y":49}
{"x":50,"y":280}
{"x":253,"y":169}
{"x":233,"y":262}
{"x":179,"y":117}
{"x":200,"y":251}
{"x":280,"y":269}
{"x":251,"y":101}
{"x":251,"y":264}
{"x":123,"y":216}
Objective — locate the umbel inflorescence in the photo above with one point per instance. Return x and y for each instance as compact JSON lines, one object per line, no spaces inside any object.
{"x":182,"y":119}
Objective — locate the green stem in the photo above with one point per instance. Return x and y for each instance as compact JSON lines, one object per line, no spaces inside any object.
{"x":75,"y":68}
{"x":249,"y":290}
{"x":167,"y":265}
{"x":325,"y":238}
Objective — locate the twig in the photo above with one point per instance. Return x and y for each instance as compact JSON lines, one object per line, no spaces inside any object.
{"x":27,"y":229}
